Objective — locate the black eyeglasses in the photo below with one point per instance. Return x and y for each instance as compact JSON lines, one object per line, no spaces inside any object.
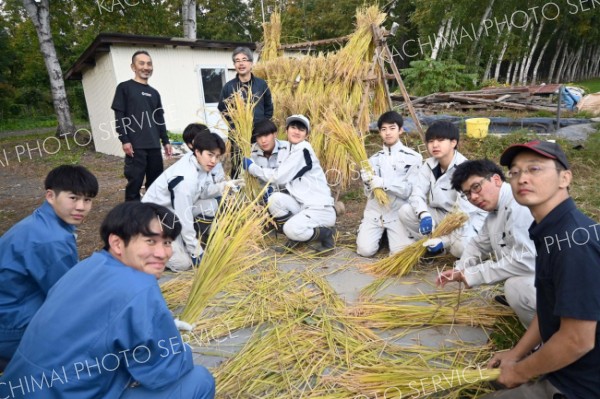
{"x":533,"y":170}
{"x":475,"y":189}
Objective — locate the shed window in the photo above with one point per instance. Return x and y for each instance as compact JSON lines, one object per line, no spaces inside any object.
{"x":213,"y":80}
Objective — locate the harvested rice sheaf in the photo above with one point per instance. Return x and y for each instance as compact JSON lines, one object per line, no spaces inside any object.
{"x":240,"y":111}
{"x":403,"y":262}
{"x":232,"y":248}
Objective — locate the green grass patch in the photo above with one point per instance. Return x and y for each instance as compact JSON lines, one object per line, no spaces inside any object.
{"x":353,"y":195}
{"x":591,"y":85}
{"x":506,"y":333}
{"x":44,"y":149}
{"x":175,"y":137}
{"x":19,"y":124}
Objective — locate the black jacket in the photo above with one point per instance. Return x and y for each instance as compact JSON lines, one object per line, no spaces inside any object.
{"x":260,"y":92}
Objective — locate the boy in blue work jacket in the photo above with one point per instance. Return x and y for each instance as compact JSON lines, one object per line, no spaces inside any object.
{"x":105,"y":330}
{"x":36,"y":252}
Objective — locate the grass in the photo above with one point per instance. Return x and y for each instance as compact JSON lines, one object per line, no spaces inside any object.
{"x":585,"y":189}
{"x":18,"y":124}
{"x":175,"y":137}
{"x":591,"y":86}
{"x":43,"y":148}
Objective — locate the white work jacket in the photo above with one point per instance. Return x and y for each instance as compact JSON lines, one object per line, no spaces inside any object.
{"x":300,"y":172}
{"x":504,"y":239}
{"x":280,"y":151}
{"x":398,"y":165}
{"x":428,"y":192}
{"x":189,"y":184}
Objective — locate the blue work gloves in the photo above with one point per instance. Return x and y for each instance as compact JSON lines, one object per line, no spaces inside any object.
{"x":246,"y":162}
{"x":437,"y":248}
{"x":196,"y":260}
{"x":426,"y":224}
{"x":267,"y":194}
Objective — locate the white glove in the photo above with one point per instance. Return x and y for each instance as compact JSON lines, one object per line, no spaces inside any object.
{"x":182,"y":325}
{"x":235,"y":184}
{"x":376,"y":182}
{"x":366,"y":176}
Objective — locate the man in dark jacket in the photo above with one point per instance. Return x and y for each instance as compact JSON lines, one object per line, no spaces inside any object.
{"x":245,"y":82}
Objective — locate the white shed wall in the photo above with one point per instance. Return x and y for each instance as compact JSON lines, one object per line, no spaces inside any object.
{"x":175,"y":76}
{"x":99,"y":86}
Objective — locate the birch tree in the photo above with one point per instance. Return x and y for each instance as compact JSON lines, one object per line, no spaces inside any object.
{"x":188,"y":13}
{"x":39,"y":13}
{"x":541,"y":57}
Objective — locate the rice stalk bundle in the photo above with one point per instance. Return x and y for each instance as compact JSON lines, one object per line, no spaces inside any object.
{"x":404,"y":261}
{"x":401,"y":315}
{"x":360,"y":46}
{"x":240,"y":111}
{"x":279,"y":363}
{"x":177,"y":290}
{"x":306,"y":85}
{"x":343,"y":133}
{"x":417,"y":382}
{"x":231,"y":250}
{"x":264,"y":297}
{"x":379,"y":104}
{"x":271,"y":38}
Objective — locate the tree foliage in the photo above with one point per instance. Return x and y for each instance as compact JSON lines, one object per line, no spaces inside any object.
{"x":75,"y":23}
{"x":429,"y":76}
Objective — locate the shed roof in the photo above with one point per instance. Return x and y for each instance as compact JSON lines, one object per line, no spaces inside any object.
{"x":103,"y":42}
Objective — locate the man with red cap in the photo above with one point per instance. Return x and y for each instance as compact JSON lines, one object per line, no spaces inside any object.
{"x":567,"y":281}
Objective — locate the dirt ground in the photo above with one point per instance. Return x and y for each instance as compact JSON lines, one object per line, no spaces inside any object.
{"x":22,"y":181}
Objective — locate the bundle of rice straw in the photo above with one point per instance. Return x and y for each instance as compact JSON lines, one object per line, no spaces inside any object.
{"x":418,"y":382}
{"x":231,"y":249}
{"x":241,"y":113}
{"x":388,"y":314}
{"x":344,"y":133}
{"x":402,"y":262}
{"x":306,"y":86}
{"x":272,"y":38}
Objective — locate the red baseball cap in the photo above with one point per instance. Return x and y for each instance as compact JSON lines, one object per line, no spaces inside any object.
{"x":546,"y":149}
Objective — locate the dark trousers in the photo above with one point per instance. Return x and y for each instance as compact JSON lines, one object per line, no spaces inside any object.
{"x":144,"y":163}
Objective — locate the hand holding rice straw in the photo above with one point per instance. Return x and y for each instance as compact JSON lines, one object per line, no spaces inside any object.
{"x":402,"y":262}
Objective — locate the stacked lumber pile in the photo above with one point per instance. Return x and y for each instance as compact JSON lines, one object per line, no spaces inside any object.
{"x":521,"y":98}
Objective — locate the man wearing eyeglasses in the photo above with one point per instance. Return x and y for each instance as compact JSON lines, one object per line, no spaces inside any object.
{"x":502,"y":250}
{"x":246,"y":83}
{"x":567,"y":281}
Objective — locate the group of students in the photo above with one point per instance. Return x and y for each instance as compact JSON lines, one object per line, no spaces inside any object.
{"x":100,"y":327}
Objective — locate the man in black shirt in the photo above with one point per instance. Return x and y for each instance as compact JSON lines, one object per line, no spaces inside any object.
{"x":567,"y":281}
{"x":141,"y":126}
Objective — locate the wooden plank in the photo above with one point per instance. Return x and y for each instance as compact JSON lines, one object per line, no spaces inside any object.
{"x":314,"y":43}
{"x":501,"y":103}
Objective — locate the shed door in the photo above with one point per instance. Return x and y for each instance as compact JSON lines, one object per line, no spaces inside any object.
{"x":212,"y":79}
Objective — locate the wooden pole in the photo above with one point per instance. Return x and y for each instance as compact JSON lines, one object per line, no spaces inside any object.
{"x":384,"y":50}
